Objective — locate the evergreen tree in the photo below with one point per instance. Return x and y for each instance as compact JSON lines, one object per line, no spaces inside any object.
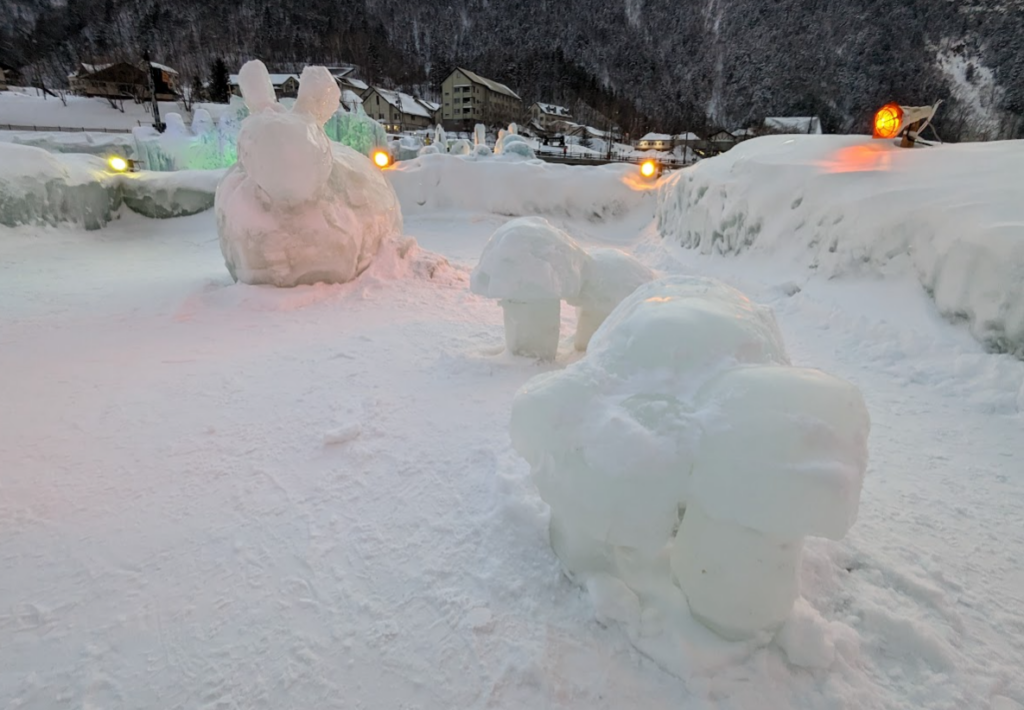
{"x":220,"y":82}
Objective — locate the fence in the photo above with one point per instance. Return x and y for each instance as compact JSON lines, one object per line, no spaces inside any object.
{"x":62,"y":129}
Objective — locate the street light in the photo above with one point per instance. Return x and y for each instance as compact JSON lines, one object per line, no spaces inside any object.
{"x":894,"y":120}
{"x":648,"y":168}
{"x":382,"y":158}
{"x":118,"y":164}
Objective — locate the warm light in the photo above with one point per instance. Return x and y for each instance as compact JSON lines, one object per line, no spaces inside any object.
{"x":647,"y":169}
{"x":381,"y":158}
{"x":888,"y":121}
{"x":117,"y":163}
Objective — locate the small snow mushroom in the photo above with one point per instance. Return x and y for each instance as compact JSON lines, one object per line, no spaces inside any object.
{"x":608,"y":277}
{"x":530,"y":267}
{"x":783,"y":458}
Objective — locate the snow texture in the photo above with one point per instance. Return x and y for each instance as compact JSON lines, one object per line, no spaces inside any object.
{"x":844,"y":206}
{"x":686,"y":402}
{"x":293,"y":211}
{"x":164,"y":195}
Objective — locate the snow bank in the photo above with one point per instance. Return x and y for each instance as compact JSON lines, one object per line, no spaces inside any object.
{"x":512,"y":186}
{"x":88,"y":143}
{"x":951,"y":215}
{"x":684,"y":457}
{"x":37,"y":187}
{"x":177,"y":194}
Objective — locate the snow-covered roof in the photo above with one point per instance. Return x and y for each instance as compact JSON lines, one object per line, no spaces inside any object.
{"x":350,"y":97}
{"x":492,"y":85}
{"x":407,"y":104}
{"x":656,"y":137}
{"x":553,"y":110}
{"x":85,"y":69}
{"x":430,"y":104}
{"x":794,"y":124}
{"x":275,"y":79}
{"x":163,"y":67}
{"x":356,"y":83}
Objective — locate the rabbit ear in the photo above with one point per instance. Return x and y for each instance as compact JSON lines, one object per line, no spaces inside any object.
{"x":257,"y":90}
{"x":319,"y":95}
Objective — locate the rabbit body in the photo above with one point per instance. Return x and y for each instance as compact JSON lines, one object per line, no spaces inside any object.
{"x":297,"y":209}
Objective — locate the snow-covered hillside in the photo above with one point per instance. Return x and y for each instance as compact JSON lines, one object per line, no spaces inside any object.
{"x":220,"y":495}
{"x":951,"y":216}
{"x":26,"y":107}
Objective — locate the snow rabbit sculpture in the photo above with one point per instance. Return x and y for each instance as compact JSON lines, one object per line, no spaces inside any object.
{"x":296,"y":208}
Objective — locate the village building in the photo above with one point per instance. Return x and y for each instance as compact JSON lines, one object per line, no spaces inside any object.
{"x":549,"y":117}
{"x":398,"y":111}
{"x":469,"y":98}
{"x":125,"y":80}
{"x":286,"y":86}
{"x":793,"y":124}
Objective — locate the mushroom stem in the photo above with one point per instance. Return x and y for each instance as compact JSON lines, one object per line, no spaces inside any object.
{"x":531,"y":329}
{"x":737,"y":580}
{"x":588,"y":320}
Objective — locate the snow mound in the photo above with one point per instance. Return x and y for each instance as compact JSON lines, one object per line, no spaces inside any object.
{"x":950,"y":215}
{"x":685,"y":458}
{"x":293,"y":210}
{"x":511,"y":186}
{"x":164,"y":195}
{"x":37,"y":187}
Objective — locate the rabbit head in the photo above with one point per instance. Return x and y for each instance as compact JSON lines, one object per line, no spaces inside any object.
{"x":286,"y":152}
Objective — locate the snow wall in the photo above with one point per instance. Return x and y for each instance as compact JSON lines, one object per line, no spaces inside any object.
{"x":206,"y":145}
{"x":38,"y":187}
{"x":513,"y":186}
{"x":952,"y":216}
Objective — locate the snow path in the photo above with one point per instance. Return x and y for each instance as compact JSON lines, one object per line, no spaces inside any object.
{"x":236,"y":497}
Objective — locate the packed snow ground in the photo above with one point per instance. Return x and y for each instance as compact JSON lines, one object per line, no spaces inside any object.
{"x":219,"y":495}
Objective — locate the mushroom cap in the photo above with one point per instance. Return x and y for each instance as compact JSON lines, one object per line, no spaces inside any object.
{"x":784,"y":452}
{"x":686,"y":325}
{"x":609,"y":276}
{"x":528,"y":260}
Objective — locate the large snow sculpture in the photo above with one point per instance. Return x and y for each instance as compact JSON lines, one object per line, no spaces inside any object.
{"x":782,"y":457}
{"x":530,"y":267}
{"x":684,"y":430}
{"x":295,"y":209}
{"x":609,"y":275}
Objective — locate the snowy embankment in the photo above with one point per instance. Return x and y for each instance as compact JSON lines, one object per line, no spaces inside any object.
{"x":37,"y":187}
{"x":952,"y":216}
{"x":514,"y":187}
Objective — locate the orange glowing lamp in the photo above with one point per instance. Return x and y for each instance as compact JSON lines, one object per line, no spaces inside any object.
{"x":888,"y":121}
{"x":647,"y":169}
{"x":382,"y":158}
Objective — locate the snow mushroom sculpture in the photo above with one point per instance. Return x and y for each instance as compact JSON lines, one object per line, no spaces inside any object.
{"x":530,"y":267}
{"x":609,"y":275}
{"x":782,"y":457}
{"x":684,"y":430}
{"x":295,"y":209}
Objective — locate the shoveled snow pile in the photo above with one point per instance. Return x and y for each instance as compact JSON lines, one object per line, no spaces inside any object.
{"x":37,"y":187}
{"x":685,"y":461}
{"x":952,"y":215}
{"x":514,"y":187}
{"x":297,"y":209}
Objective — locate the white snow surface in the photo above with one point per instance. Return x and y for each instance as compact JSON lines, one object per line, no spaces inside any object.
{"x":221,"y":494}
{"x":842,"y":206}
